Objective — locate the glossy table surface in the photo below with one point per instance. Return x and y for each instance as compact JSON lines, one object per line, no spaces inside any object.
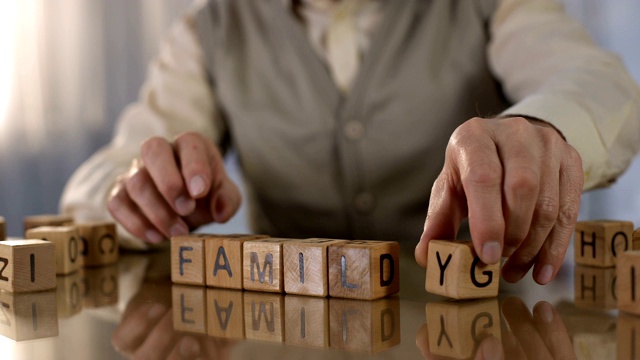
{"x":125,"y":311}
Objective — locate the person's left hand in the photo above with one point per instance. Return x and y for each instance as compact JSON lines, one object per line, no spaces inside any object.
{"x":519,"y":183}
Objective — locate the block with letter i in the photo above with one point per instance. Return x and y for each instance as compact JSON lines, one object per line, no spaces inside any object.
{"x":306,"y":321}
{"x":187,"y":260}
{"x":223,"y":259}
{"x":628,"y":282}
{"x":363,"y":269}
{"x":28,"y":316}
{"x":99,"y":243}
{"x":600,"y":242}
{"x":262,"y":262}
{"x":67,"y":243}
{"x":305,"y":266}
{"x":27,"y":265}
{"x":454,"y":270}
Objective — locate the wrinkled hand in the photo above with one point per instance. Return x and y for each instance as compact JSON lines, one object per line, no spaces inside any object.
{"x":519,"y":183}
{"x":175,"y":187}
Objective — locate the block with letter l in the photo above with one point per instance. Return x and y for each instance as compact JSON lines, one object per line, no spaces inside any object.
{"x":363,"y":269}
{"x":27,"y":265}
{"x":600,"y":242}
{"x":454,"y":270}
{"x":262,"y":262}
{"x":67,"y":244}
{"x":223,"y":259}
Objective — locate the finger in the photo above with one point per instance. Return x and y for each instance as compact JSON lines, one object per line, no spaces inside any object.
{"x":159,"y":341}
{"x":133,"y":329}
{"x":127,"y":213}
{"x":553,"y":331}
{"x":226,"y":200}
{"x":144,"y":194}
{"x":555,"y":247}
{"x":159,"y":160}
{"x":520,"y":321}
{"x":201,"y":164}
{"x":489,"y":348}
{"x":447,"y":208}
{"x":187,"y":347}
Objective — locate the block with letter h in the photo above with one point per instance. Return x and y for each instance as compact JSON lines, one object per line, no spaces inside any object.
{"x":454,"y":270}
{"x":599,"y":243}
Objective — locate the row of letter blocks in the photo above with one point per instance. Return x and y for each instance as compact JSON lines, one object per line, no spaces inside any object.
{"x":599,"y":243}
{"x":317,"y":267}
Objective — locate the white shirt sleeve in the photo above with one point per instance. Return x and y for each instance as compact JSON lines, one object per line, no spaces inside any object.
{"x":551,"y":69}
{"x":175,"y":98}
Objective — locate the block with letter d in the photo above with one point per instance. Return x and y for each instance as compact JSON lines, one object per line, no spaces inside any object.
{"x":223,"y":258}
{"x":363,"y":269}
{"x":454,"y":270}
{"x":262,"y":262}
{"x":600,"y":242}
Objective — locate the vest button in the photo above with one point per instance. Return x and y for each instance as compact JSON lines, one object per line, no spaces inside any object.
{"x":364,"y":202}
{"x":353,"y":130}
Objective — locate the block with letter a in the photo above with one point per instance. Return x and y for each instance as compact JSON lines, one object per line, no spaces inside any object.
{"x":454,"y":270}
{"x":262,"y":262}
{"x":223,"y":258}
{"x":27,"y":265}
{"x":362,"y":269}
{"x":600,"y":242}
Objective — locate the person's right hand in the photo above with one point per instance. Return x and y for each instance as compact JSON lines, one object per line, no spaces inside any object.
{"x":172,"y":188}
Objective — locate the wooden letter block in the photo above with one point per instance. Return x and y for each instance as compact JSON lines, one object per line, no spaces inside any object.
{"x":454,"y":270}
{"x":305,"y":266}
{"x":101,"y":286}
{"x":599,"y":243}
{"x":34,"y":221}
{"x":225,"y":313}
{"x":99,"y":243}
{"x":595,"y":288}
{"x":223,"y":257}
{"x":187,"y":260}
{"x":628,"y":282}
{"x":189,"y":308}
{"x":69,"y":294}
{"x":628,"y":337}
{"x":67,"y":243}
{"x":364,"y":269}
{"x":264,"y":316}
{"x":28,"y":316}
{"x":27,"y":265}
{"x":364,"y":326}
{"x":306,"y":321}
{"x":3,"y":229}
{"x":456,"y":329}
{"x":262,"y":262}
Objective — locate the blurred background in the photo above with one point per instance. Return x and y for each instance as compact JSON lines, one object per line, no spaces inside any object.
{"x":68,"y":68}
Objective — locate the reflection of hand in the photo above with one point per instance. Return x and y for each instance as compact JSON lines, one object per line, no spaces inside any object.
{"x":519,"y":183}
{"x":175,"y":187}
{"x":489,"y":347}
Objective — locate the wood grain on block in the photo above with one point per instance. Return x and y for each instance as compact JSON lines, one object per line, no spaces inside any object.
{"x":627,"y":336}
{"x":28,"y":316}
{"x":362,"y":269}
{"x":189,"y":308}
{"x":305,"y":266}
{"x":187,"y":260}
{"x":101,"y":286}
{"x":264,"y":316}
{"x":454,"y":270}
{"x":99,"y":243}
{"x":306,"y":321}
{"x":364,"y":326}
{"x":34,"y":221}
{"x":628,"y":282}
{"x":69,"y":294}
{"x":262,"y":262}
{"x":67,"y":243}
{"x":27,"y":265}
{"x":223,"y":258}
{"x":594,"y":287}
{"x":457,"y":328}
{"x":225,"y":313}
{"x":600,"y":242}
{"x":3,"y":229}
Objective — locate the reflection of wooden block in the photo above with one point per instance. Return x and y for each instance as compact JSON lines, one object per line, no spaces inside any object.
{"x":100,"y":286}
{"x":595,"y":346}
{"x":456,"y":329}
{"x":34,"y":221}
{"x":189,"y":308}
{"x":454,"y":270}
{"x":69,"y":293}
{"x":3,"y":229}
{"x":264,"y":316}
{"x":262,"y":262}
{"x":187,"y":259}
{"x":306,"y":321}
{"x":364,"y":269}
{"x":628,"y":337}
{"x":225,"y":313}
{"x":223,"y":257}
{"x":594,"y":288}
{"x":28,"y":316}
{"x":27,"y":265}
{"x":366,"y":326}
{"x":305,"y":266}
{"x":599,"y":243}
{"x":628,"y":282}
{"x":67,"y":243}
{"x":99,"y":243}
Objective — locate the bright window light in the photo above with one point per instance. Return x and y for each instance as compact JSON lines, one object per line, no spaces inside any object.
{"x":8,"y":24}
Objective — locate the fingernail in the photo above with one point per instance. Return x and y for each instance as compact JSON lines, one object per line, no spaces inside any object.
{"x":189,"y":347}
{"x":491,"y":252}
{"x":196,"y":185}
{"x":185,"y":205}
{"x":153,"y":236}
{"x":156,"y":311}
{"x":178,"y":229}
{"x":545,"y":312}
{"x":545,"y":274}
